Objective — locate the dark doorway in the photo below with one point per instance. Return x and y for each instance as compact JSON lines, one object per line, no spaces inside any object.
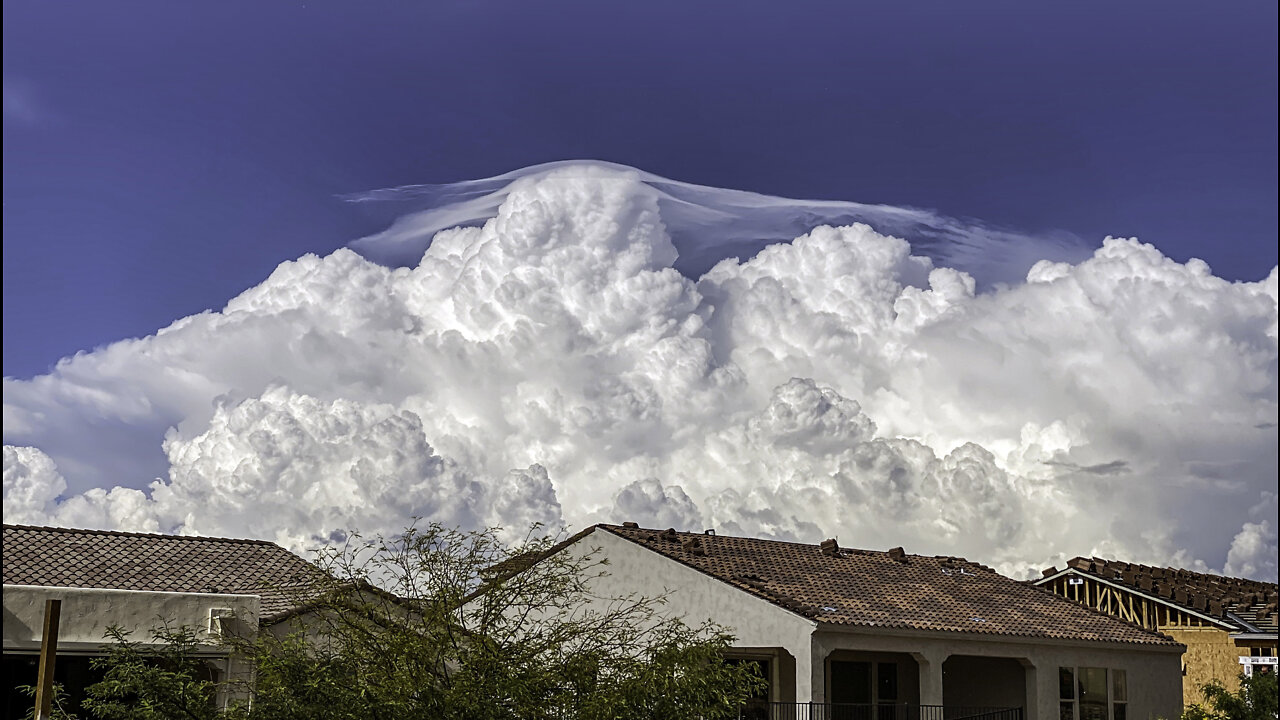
{"x":850,"y":682}
{"x":851,"y":690}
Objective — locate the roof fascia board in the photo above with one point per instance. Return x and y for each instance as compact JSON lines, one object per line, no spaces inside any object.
{"x":1254,"y":636}
{"x":84,"y":649}
{"x":1135,"y":591}
{"x":913,"y":633}
{"x":126,"y":591}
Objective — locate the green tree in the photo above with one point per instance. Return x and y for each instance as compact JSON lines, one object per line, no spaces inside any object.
{"x":1255,"y":700}
{"x":164,"y":680}
{"x":441,"y":624}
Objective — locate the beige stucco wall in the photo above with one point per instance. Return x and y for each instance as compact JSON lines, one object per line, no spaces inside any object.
{"x":87,"y":613}
{"x":1154,"y":674}
{"x":1211,"y":655}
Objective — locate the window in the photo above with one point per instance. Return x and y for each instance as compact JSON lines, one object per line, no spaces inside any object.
{"x":1066,"y":693}
{"x":1092,"y":683}
{"x":1090,"y":693}
{"x":1119,"y":694}
{"x":1260,"y":660}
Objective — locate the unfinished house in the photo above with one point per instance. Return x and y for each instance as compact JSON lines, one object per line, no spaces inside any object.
{"x":866,"y":635}
{"x":1228,"y":624}
{"x":138,"y":582}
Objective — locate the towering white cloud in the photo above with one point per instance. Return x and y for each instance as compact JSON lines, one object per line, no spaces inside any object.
{"x":552,"y":366}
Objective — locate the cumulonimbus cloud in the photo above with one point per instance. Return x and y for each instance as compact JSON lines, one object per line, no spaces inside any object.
{"x":551,"y":365}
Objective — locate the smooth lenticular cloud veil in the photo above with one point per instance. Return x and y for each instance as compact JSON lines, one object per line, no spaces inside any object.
{"x":546,"y":362}
{"x":706,"y":223}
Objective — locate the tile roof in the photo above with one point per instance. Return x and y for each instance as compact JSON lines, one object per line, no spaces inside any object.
{"x":887,"y":589}
{"x":65,"y":557}
{"x":1251,"y":601}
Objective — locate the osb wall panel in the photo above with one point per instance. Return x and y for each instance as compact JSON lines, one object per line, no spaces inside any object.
{"x":1210,"y":654}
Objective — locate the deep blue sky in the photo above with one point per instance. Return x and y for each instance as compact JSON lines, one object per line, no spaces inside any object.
{"x":160,"y":157}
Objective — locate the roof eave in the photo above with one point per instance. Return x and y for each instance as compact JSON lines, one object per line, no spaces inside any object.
{"x":1157,"y":643}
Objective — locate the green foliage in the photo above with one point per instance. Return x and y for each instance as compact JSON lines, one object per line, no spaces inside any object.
{"x":1255,"y":700}
{"x":164,"y":680}
{"x":439,"y":624}
{"x":57,"y":706}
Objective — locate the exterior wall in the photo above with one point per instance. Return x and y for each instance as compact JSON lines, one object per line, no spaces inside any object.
{"x":87,"y":613}
{"x":1154,"y":674}
{"x":694,"y":596}
{"x":1211,"y":655}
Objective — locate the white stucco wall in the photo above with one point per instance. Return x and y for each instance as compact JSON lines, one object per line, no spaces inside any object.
{"x":695,"y":597}
{"x":87,"y":613}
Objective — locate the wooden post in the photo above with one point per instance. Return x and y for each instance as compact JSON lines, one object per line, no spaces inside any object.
{"x":48,"y":656}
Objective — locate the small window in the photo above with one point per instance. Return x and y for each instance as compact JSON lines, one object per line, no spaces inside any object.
{"x":1119,"y":694}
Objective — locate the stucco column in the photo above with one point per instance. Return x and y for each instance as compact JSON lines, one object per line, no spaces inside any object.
{"x":1032,"y":689}
{"x":804,"y":674}
{"x":930,"y":676}
{"x":814,"y":675}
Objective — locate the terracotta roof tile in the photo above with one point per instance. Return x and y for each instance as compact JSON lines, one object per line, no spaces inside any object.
{"x":868,"y":588}
{"x":65,"y":557}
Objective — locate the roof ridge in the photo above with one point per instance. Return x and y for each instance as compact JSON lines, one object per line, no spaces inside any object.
{"x":122,"y":533}
{"x":610,"y":526}
{"x":1198,"y":573}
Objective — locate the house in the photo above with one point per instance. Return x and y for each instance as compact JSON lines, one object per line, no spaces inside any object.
{"x":1228,"y":624}
{"x":139,"y":582}
{"x":888,"y":635}
{"x":831,"y":625}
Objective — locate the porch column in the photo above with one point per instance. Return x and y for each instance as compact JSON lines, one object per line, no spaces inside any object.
{"x":804,"y":676}
{"x":930,"y":664}
{"x":1032,"y":711}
